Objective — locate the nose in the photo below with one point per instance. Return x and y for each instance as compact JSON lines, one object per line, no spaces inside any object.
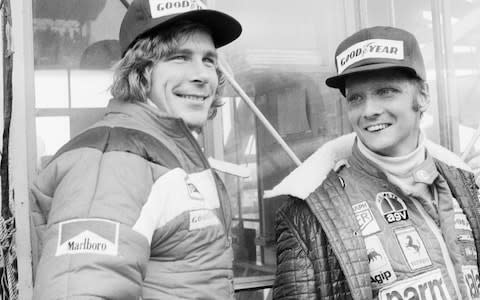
{"x":201,"y":73}
{"x":372,"y":108}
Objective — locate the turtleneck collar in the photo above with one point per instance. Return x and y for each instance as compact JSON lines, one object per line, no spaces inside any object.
{"x":400,"y":166}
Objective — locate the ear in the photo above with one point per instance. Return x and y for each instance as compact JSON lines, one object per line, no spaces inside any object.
{"x":423,"y":98}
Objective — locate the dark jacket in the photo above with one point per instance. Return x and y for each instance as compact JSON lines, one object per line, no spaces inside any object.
{"x":320,"y":252}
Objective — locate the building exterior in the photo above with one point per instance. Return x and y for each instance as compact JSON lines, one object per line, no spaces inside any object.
{"x":63,"y":51}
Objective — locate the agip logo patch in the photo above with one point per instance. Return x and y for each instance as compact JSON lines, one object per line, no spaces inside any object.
{"x":381,"y":271}
{"x":97,"y":236}
{"x":392,"y":207}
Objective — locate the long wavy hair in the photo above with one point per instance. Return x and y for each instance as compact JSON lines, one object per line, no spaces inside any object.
{"x":132,"y":74}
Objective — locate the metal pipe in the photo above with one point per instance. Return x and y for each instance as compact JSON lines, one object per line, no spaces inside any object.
{"x":259,"y":114}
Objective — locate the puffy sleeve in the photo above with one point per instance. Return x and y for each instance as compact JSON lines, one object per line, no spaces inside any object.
{"x":295,"y":272}
{"x":87,"y":203}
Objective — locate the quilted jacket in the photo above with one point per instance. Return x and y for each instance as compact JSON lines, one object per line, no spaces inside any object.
{"x":130,"y":208}
{"x":320,"y":252}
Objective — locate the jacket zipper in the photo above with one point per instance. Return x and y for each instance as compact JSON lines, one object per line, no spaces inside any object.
{"x":197,"y":148}
{"x":443,"y":247}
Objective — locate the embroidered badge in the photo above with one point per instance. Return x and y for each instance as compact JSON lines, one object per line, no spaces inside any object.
{"x":472,"y":280}
{"x":413,"y":248}
{"x":365,"y":218}
{"x":469,"y":252}
{"x":392,"y":207}
{"x":202,"y":218}
{"x":97,"y":236}
{"x":428,"y":285}
{"x":193,"y":192}
{"x":467,"y":237}
{"x":461,"y":222}
{"x":381,"y":271}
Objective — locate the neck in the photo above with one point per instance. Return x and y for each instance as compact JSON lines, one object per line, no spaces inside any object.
{"x":398,"y":165}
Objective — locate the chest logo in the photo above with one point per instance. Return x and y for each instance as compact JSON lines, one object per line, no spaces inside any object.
{"x":413,"y":248}
{"x":193,"y":192}
{"x":428,"y":285}
{"x":381,"y":271}
{"x":365,"y":218}
{"x":392,"y":207}
{"x":202,"y":218}
{"x":472,"y":279}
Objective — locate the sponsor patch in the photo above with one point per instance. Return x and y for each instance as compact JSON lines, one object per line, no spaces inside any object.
{"x":97,"y":236}
{"x":392,"y":207}
{"x":365,"y":218}
{"x":374,"y":48}
{"x":428,"y":285}
{"x":472,"y":280}
{"x":461,"y":222}
{"x":193,"y":192}
{"x":201,"y":186}
{"x":381,"y":271}
{"x":413,"y":248}
{"x":202,"y":218}
{"x":469,"y":252}
{"x":467,"y":237}
{"x":160,"y":8}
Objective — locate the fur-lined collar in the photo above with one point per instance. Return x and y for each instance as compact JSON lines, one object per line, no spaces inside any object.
{"x":312,"y":172}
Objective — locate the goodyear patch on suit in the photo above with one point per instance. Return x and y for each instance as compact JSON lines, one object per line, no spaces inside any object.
{"x":202,"y":218}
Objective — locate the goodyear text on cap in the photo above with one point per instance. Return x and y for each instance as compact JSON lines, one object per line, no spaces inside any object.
{"x":374,"y":48}
{"x":160,"y":8}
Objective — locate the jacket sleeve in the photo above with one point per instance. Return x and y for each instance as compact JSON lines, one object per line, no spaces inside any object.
{"x":295,"y":274}
{"x":90,"y":202}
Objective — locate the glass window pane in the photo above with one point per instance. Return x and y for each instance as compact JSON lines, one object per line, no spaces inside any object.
{"x":52,"y":133}
{"x":281,"y":60}
{"x":416,"y":17}
{"x":51,"y":88}
{"x":465,"y":22}
{"x":90,"y":88}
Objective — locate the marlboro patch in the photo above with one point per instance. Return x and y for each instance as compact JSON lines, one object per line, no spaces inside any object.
{"x":97,"y":236}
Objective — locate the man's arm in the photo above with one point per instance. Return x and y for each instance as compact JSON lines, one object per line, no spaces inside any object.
{"x":91,"y":201}
{"x":295,"y":273}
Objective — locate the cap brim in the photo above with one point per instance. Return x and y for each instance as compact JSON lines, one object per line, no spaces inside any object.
{"x":224,"y":28}
{"x":338,"y":81}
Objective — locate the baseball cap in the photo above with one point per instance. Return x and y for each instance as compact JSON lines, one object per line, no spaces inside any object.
{"x":377,"y":48}
{"x":144,"y":17}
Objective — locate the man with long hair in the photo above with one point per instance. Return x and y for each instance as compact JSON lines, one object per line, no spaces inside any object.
{"x":130,"y":208}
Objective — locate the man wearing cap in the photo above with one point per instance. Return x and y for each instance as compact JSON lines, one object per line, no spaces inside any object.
{"x":397,"y":219}
{"x":130,"y":208}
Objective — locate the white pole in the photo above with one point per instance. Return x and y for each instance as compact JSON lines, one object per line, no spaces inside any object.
{"x":259,"y":114}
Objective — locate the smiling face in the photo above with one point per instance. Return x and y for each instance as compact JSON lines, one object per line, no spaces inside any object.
{"x":384,"y":108}
{"x":184,"y":82}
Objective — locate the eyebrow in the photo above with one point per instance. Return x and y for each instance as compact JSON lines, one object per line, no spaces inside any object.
{"x":208,"y":53}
